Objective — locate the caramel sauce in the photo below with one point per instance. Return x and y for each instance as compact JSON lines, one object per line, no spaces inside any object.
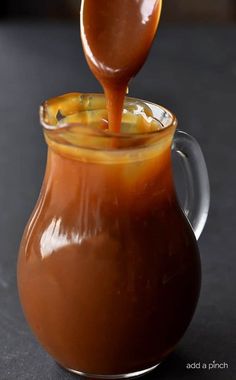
{"x":117,"y":36}
{"x":109,"y":270}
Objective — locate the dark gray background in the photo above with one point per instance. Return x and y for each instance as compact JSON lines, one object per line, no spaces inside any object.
{"x":173,"y":10}
{"x":192,"y":71}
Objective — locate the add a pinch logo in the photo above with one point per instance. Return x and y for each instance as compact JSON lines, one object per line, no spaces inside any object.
{"x":209,"y":366}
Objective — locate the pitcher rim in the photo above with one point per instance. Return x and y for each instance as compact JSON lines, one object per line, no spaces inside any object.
{"x":172,"y":122}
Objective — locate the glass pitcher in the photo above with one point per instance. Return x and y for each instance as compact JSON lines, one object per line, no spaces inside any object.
{"x":109,"y":268}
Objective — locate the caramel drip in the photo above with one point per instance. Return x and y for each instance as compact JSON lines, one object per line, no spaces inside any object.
{"x":117,"y":36}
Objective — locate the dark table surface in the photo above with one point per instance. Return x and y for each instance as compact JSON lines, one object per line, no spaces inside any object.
{"x":192,"y":71}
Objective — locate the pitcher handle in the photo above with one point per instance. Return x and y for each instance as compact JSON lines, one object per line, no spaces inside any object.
{"x":197,"y":200}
